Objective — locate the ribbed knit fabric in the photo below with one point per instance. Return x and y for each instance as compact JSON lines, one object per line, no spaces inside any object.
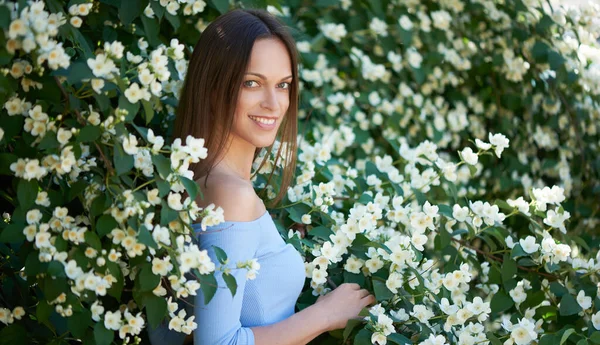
{"x":268,"y":299}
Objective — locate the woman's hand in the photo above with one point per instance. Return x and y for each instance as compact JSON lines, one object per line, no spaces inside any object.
{"x":343,"y":303}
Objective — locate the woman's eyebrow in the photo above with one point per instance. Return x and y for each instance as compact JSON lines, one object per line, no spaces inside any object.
{"x":264,"y":78}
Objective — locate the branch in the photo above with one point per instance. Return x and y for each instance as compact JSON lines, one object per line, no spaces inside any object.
{"x":493,"y":257}
{"x":82,"y":121}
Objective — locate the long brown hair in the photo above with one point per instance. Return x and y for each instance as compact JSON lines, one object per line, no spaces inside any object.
{"x":212,"y":84}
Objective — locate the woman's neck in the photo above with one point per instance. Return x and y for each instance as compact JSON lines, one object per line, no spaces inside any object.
{"x":237,"y":160}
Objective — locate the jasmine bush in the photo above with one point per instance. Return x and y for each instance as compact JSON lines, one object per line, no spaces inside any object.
{"x":448,"y":162}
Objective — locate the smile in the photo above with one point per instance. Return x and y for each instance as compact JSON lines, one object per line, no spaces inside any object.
{"x":262,"y":120}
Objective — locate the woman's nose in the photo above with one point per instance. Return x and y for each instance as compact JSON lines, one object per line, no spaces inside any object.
{"x":269,"y":100}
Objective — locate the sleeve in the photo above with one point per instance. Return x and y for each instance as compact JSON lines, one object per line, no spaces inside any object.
{"x":219,"y":320}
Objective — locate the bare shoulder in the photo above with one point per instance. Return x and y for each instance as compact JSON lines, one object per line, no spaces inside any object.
{"x":237,"y":197}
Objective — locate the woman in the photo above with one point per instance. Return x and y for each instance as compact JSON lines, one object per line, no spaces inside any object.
{"x":240,"y":94}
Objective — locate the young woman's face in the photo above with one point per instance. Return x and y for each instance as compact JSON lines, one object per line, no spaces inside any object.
{"x":264,"y":95}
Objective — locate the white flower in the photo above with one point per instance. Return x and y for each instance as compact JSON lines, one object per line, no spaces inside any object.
{"x":482,"y":145}
{"x":195,"y":147}
{"x":72,"y":270}
{"x":585,"y":302}
{"x":134,"y":93}
{"x":520,"y":204}
{"x":97,"y":310}
{"x":130,"y":144}
{"x":18,"y":313}
{"x":148,"y":12}
{"x":33,"y":216}
{"x":153,"y":197}
{"x":161,"y":267}
{"x":5,"y":316}
{"x":405,"y":23}
{"x":379,"y":27}
{"x":306,"y":219}
{"x":174,"y":201}
{"x":76,"y":21}
{"x":378,"y":338}
{"x":528,"y":244}
{"x":334,"y":32}
{"x":441,"y":19}
{"x":460,"y":213}
{"x":469,"y":156}
{"x":557,"y":220}
{"x":112,"y":320}
{"x":499,"y":141}
{"x":63,"y":135}
{"x":596,"y":320}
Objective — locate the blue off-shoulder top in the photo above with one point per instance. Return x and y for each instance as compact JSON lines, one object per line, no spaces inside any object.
{"x":269,"y":298}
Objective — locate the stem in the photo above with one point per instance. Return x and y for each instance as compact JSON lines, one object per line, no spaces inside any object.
{"x":493,"y":257}
{"x":144,"y":185}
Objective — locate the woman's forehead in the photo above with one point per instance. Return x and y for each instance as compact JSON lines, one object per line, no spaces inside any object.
{"x":270,"y":58}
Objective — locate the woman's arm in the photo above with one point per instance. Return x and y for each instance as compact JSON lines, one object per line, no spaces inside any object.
{"x":330,"y":312}
{"x":297,"y":329}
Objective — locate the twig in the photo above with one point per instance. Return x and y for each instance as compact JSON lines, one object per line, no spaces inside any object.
{"x":81,"y":120}
{"x":493,"y":257}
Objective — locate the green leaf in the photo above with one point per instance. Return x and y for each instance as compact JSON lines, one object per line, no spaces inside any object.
{"x":231,"y":283}
{"x":56,"y":269}
{"x":321,"y":232}
{"x":48,"y":142}
{"x":4,"y":17}
{"x":221,"y":255}
{"x":43,"y":311}
{"x":88,"y":134}
{"x":12,"y":234}
{"x":27,"y":193}
{"x":78,"y":71}
{"x":363,"y":337}
{"x":6,"y":159}
{"x":173,"y":20}
{"x":123,"y":162}
{"x":152,"y":30}
{"x":566,"y":335}
{"x":509,"y":268}
{"x":162,"y":164}
{"x":501,"y":302}
{"x":493,"y":339}
{"x":365,"y":199}
{"x":148,"y":280}
{"x":569,"y":305}
{"x":547,"y":339}
{"x":105,"y":224}
{"x":92,"y":239}
{"x":79,"y":322}
{"x":102,"y":335}
{"x":148,"y":111}
{"x":208,"y":284}
{"x":382,"y":293}
{"x":131,"y":9}
{"x":352,"y":323}
{"x":14,"y":334}
{"x":167,"y":214}
{"x":156,"y":310}
{"x":595,"y":337}
{"x":191,"y":187}
{"x":221,"y":5}
{"x":517,"y":251}
{"x":145,"y":237}
{"x":399,"y":339}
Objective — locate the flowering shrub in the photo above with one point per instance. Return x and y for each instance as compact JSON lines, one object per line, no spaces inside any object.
{"x":448,"y":163}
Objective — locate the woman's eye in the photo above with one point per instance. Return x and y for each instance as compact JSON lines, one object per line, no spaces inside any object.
{"x":250,"y":83}
{"x":284,"y":85}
